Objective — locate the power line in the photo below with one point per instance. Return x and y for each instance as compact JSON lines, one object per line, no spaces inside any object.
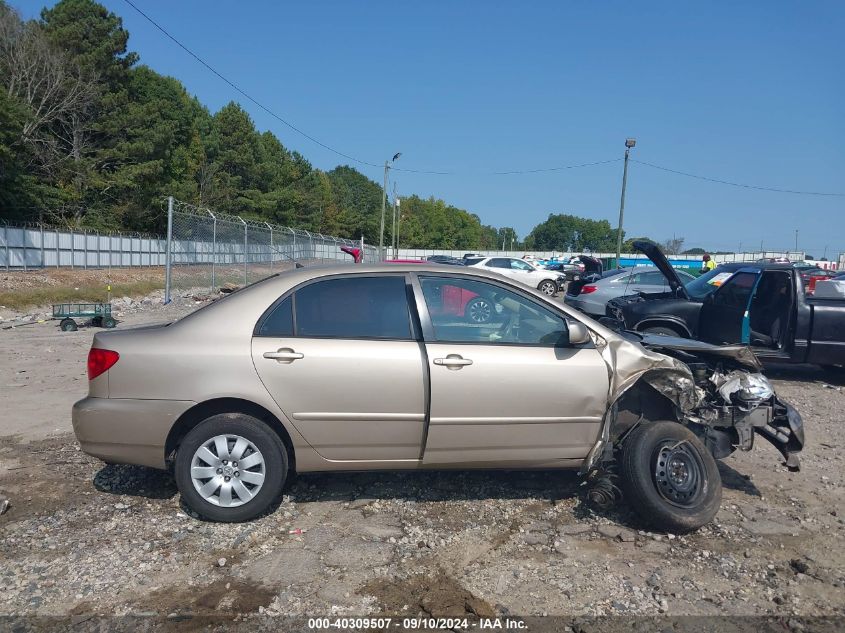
{"x":446,"y":173}
{"x":324,"y":145}
{"x":244,"y":93}
{"x":513,"y":171}
{"x":737,"y":184}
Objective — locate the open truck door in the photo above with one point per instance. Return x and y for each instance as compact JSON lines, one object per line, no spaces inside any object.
{"x":724,"y":317}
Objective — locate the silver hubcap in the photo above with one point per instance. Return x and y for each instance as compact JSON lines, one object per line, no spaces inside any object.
{"x":548,"y":288}
{"x":480,"y":311}
{"x":228,"y":470}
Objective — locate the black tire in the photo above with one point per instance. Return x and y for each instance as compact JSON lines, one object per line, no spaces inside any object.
{"x":68,"y":325}
{"x":108,"y":322}
{"x":262,"y":437}
{"x":680,"y":504}
{"x":661,"y":330}
{"x":478,"y":310}
{"x":548,"y":287}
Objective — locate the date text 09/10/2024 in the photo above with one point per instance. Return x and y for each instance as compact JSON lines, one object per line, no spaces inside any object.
{"x":417,"y":623}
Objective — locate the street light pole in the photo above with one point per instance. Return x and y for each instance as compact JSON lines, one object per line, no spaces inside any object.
{"x":629,"y":143}
{"x":393,"y":216}
{"x":398,"y":202}
{"x":384,"y":203}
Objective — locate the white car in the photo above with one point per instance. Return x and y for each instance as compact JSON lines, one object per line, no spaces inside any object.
{"x":546,"y":281}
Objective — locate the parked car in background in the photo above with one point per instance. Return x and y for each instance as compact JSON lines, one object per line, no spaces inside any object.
{"x":414,"y":387}
{"x":764,"y":305}
{"x":546,"y":281}
{"x":592,"y":297}
{"x":578,"y":267}
{"x":445,"y":259}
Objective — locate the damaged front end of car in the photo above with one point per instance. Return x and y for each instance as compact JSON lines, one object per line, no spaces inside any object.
{"x":717,"y":392}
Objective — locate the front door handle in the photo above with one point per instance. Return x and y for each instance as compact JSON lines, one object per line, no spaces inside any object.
{"x":284,"y":355}
{"x":453,"y":361}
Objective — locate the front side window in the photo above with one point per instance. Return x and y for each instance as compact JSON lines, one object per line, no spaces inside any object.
{"x":353,"y":307}
{"x":517,"y":264}
{"x":471,"y":311}
{"x":736,"y":291}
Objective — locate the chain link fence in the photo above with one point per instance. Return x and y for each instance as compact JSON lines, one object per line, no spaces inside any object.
{"x":209,"y":250}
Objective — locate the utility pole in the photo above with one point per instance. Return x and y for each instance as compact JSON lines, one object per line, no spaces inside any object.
{"x":796,"y":240}
{"x":384,"y":203}
{"x":398,"y":203}
{"x":393,"y":216}
{"x":629,"y":143}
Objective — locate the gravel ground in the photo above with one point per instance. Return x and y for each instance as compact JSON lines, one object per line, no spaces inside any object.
{"x":80,"y":537}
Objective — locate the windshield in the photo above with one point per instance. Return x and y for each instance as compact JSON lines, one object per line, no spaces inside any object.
{"x":701,"y":287}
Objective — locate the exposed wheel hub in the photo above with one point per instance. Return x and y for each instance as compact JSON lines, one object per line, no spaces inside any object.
{"x":678,"y":474}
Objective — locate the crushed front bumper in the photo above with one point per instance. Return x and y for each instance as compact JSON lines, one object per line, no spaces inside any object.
{"x":785,"y":432}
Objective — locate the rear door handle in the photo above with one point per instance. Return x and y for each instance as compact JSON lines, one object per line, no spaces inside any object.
{"x":453,"y":361}
{"x":284,"y":355}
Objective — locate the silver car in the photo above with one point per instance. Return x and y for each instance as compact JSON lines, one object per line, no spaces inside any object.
{"x":372,"y":367}
{"x":593,"y":297}
{"x":548,"y":282}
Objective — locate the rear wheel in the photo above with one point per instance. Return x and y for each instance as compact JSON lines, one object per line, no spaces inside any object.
{"x":547,"y":287}
{"x":479,"y":310}
{"x":669,"y":477}
{"x":108,"y":322}
{"x":230,"y":467}
{"x":68,"y":325}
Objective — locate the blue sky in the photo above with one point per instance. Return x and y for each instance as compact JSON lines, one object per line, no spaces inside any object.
{"x":743,"y":91}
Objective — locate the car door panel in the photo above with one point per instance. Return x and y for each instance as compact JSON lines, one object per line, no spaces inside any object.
{"x":508,"y":390}
{"x":340,"y":358}
{"x":514,"y":404}
{"x":336,"y":395}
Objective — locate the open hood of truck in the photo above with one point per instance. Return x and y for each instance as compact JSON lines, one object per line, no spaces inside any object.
{"x":653,"y":252}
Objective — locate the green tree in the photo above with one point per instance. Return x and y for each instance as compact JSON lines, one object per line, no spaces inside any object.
{"x":563,"y":232}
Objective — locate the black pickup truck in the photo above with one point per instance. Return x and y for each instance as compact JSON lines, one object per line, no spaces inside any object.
{"x":763,"y":305}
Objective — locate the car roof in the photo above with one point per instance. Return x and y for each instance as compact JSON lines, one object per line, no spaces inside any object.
{"x":760,"y":265}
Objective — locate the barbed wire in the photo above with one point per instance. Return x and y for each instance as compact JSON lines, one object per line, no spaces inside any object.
{"x":205,"y":212}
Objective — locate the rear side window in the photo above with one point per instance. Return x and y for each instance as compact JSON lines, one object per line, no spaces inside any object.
{"x":654,"y":278}
{"x":499,"y":262}
{"x":280,"y":321}
{"x":353,"y":307}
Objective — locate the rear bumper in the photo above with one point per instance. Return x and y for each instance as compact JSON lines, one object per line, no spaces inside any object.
{"x":582,"y":305}
{"x":126,"y":431}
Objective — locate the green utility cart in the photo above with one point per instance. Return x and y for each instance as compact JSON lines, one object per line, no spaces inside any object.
{"x":99,"y":313}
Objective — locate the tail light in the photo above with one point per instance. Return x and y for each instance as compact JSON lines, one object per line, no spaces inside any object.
{"x":100,"y":361}
{"x":588,"y":289}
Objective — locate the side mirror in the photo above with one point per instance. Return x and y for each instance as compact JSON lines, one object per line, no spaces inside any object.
{"x":578,"y":333}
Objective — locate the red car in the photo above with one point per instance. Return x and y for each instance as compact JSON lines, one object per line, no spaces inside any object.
{"x":456,"y":301}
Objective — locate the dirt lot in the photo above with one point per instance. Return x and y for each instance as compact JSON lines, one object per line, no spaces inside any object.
{"x":82,"y":537}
